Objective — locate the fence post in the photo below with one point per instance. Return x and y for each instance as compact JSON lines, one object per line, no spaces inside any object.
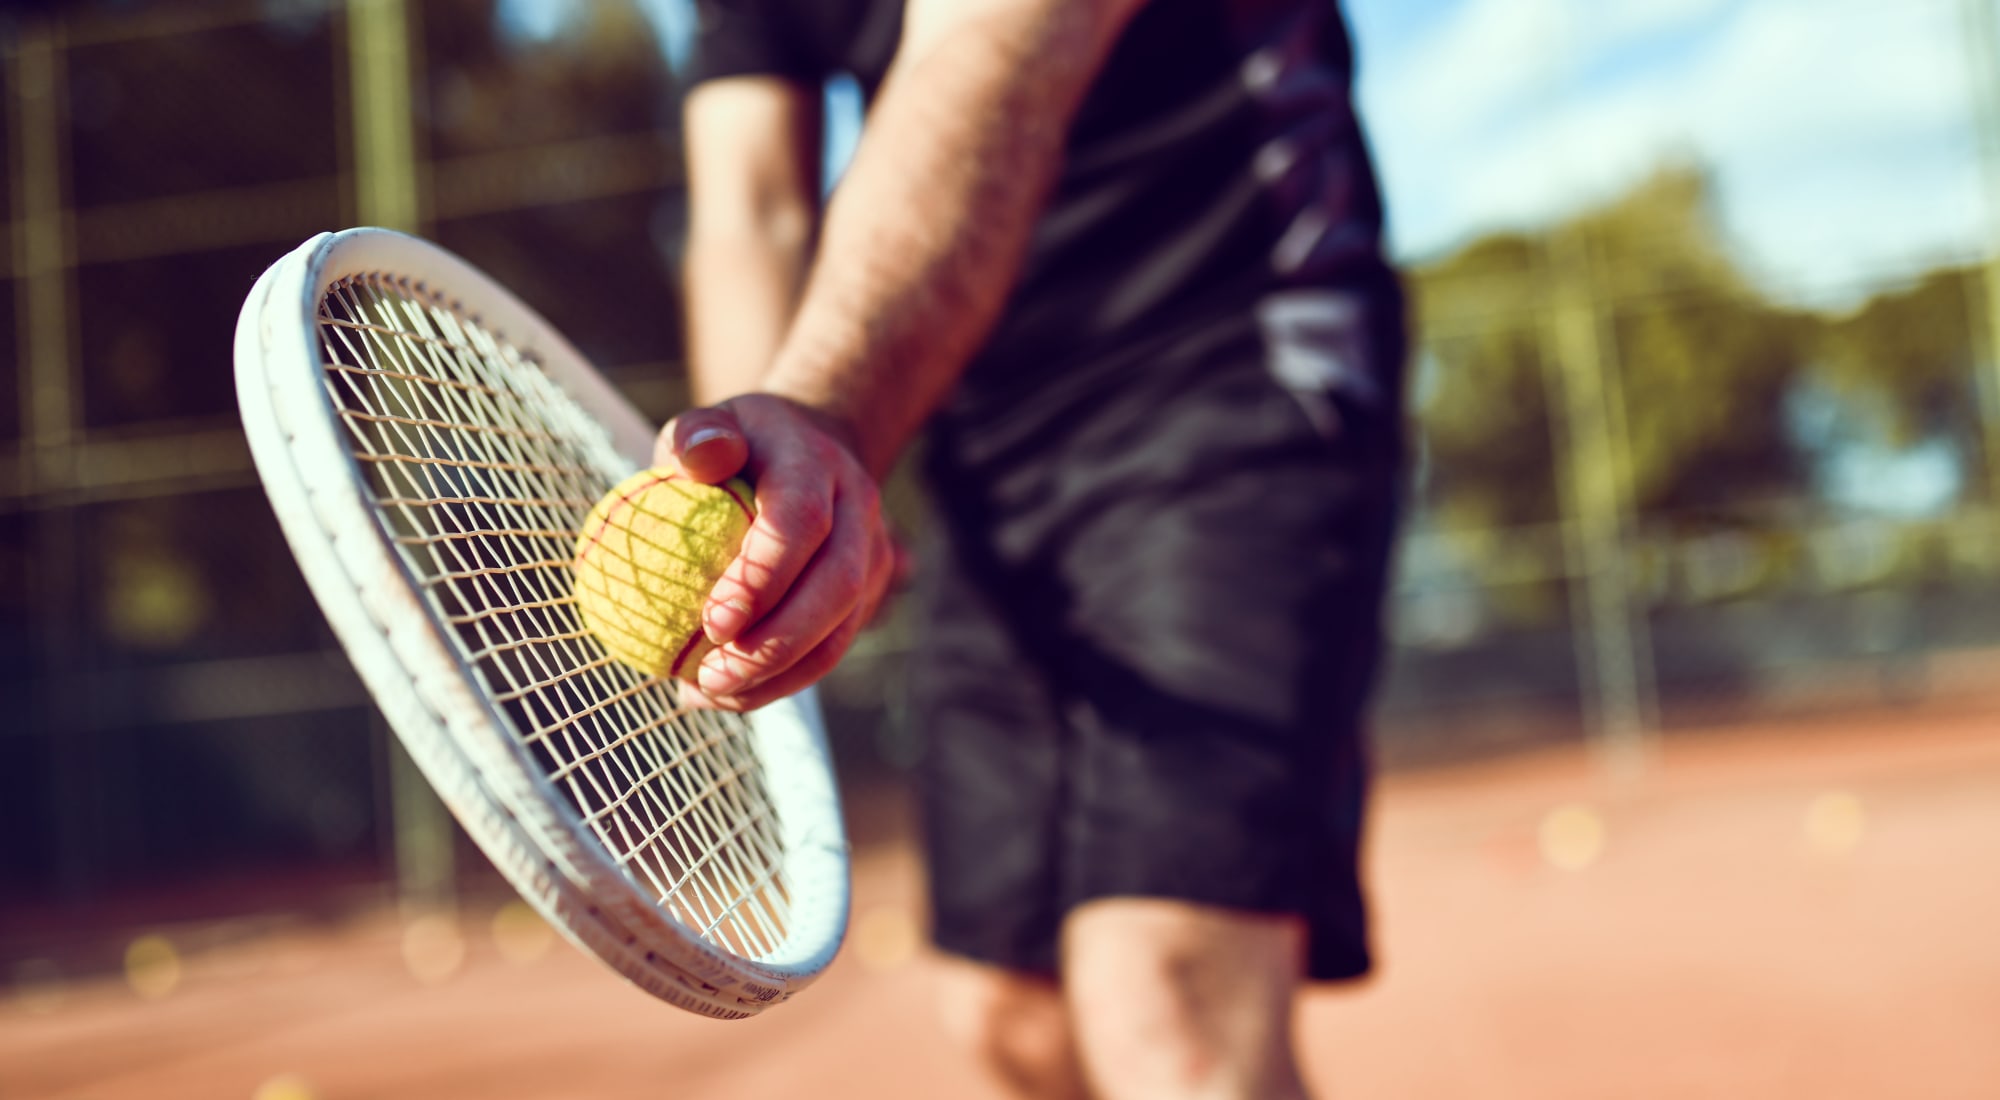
{"x":386,"y":193}
{"x":44,"y":271}
{"x":1982,"y":43}
{"x":1614,"y":654}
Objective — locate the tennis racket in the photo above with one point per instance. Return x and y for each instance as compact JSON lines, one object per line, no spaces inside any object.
{"x":431,"y":446}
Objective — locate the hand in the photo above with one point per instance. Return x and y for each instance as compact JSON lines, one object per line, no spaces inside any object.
{"x":814,"y":565}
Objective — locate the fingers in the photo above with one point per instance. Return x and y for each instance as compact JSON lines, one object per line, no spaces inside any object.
{"x":795,"y":519}
{"x":706,"y":444}
{"x":801,"y":675}
{"x":813,"y":567}
{"x":849,"y":572}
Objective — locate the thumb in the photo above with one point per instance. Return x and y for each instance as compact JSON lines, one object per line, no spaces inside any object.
{"x":706,"y":444}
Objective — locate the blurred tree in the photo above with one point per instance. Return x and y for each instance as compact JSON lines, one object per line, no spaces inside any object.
{"x":1704,"y":360}
{"x":1741,"y":415}
{"x":1705,"y":381}
{"x":1908,"y":355}
{"x":1484,"y":399}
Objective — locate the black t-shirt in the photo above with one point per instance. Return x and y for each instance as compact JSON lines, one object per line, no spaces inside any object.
{"x":1216,"y":160}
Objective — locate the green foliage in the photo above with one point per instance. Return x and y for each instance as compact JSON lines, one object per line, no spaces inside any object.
{"x":1704,"y":380}
{"x":1907,"y":354}
{"x":1703,"y":364}
{"x":1484,"y":406}
{"x":1702,"y":371}
{"x":1487,"y":430}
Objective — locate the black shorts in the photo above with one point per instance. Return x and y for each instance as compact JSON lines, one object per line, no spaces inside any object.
{"x":1150,"y":628}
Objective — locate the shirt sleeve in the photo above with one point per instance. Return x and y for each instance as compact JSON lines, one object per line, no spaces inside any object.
{"x":752,"y":38}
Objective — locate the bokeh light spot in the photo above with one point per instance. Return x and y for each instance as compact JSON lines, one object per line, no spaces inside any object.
{"x":1572,"y":837}
{"x":152,"y":967}
{"x":520,"y":933}
{"x":153,"y":600}
{"x":285,"y":1086}
{"x":433,"y":950}
{"x":1834,"y":823}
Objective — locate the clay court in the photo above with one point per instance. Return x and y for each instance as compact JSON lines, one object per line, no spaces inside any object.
{"x":1801,"y":910}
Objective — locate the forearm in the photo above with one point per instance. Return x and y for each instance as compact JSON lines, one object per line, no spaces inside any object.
{"x":926,"y":235}
{"x":741,"y":290}
{"x":753,"y":209}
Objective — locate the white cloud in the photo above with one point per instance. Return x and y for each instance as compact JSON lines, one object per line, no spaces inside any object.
{"x":1488,"y":54}
{"x":1839,"y":132}
{"x":1620,"y":22}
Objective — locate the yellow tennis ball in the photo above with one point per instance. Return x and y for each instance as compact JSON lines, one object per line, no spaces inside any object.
{"x":647,"y":558}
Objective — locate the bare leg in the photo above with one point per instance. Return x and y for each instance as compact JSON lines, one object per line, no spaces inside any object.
{"x":1015,"y":1025}
{"x":1171,"y":1000}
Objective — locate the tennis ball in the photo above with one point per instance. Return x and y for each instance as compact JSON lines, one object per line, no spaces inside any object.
{"x":648,"y":556}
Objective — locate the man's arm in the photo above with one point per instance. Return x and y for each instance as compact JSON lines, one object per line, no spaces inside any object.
{"x":753,"y":209}
{"x":921,"y":247}
{"x":927,"y":234}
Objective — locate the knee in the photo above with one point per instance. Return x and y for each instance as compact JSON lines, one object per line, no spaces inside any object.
{"x":1157,"y":1030}
{"x":1192,"y":1002}
{"x":1015,"y":1026}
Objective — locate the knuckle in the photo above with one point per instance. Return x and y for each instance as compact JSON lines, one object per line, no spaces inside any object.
{"x":807,"y":517}
{"x":825,"y":450}
{"x":850,"y":572}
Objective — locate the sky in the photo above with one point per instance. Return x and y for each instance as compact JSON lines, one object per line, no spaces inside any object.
{"x":1839,"y":133}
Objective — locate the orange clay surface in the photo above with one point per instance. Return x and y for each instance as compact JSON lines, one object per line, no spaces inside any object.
{"x":1803,"y":911}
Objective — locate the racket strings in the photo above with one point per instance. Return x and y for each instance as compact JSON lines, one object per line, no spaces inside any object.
{"x":482,"y":471}
{"x":679,"y":882}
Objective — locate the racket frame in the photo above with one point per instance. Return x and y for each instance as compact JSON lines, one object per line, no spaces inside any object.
{"x":458,"y":737}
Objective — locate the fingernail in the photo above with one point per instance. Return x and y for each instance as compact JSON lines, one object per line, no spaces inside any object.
{"x":716,"y":678}
{"x":705,"y":435}
{"x":724,"y":621}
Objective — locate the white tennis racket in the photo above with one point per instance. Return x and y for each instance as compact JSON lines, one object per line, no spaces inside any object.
{"x":431,"y":446}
